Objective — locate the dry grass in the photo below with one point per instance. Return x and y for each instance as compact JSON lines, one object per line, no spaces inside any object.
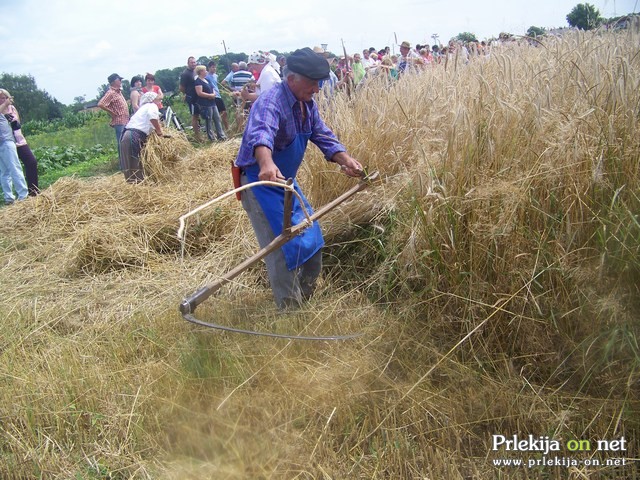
{"x":494,"y":272}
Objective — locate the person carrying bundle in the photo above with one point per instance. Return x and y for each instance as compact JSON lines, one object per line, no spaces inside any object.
{"x":135,"y":134}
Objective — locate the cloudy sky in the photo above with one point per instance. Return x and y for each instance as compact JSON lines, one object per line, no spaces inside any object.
{"x":71,"y":46}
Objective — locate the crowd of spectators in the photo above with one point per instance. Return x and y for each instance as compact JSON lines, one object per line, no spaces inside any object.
{"x":245,"y":82}
{"x":354,"y":71}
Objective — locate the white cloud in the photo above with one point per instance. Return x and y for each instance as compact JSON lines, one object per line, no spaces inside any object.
{"x":99,"y":49}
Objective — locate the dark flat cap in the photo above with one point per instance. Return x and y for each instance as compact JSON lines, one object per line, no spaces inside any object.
{"x":113,"y":77}
{"x":309,"y":64}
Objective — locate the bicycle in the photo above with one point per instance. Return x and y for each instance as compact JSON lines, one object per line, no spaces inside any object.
{"x":170,"y":118}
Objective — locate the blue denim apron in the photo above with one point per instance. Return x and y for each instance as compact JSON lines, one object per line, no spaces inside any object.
{"x":271,"y":199}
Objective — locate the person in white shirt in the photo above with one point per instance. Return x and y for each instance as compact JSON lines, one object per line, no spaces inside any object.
{"x":366,"y":60}
{"x":269,"y":77}
{"x":145,"y":120}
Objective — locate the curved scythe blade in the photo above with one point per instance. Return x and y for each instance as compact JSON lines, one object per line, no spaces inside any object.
{"x":192,"y":319}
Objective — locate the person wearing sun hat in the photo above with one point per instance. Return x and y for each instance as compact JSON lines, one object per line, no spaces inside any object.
{"x":115,"y":105}
{"x":327,"y":85}
{"x":280,"y":124}
{"x":408,"y":56}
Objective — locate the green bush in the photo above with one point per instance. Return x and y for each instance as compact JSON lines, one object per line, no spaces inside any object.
{"x":68,"y":121}
{"x":96,"y":131}
{"x":55,"y":158}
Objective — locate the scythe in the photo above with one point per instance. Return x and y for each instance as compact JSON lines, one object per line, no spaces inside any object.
{"x":189,"y":304}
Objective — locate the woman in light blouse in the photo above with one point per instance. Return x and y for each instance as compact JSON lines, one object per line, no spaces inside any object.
{"x":25,"y":154}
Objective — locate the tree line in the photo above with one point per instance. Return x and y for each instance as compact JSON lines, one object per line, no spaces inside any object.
{"x":34,"y":103}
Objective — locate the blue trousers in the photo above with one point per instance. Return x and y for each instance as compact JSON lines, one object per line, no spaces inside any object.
{"x":11,"y":174}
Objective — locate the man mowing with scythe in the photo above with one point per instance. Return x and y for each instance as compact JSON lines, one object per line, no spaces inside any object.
{"x":280,"y":124}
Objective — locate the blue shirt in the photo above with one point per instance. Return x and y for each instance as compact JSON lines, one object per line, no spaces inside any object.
{"x":213,"y":80}
{"x":276,"y":119}
{"x":228,"y":77}
{"x":329,"y":83}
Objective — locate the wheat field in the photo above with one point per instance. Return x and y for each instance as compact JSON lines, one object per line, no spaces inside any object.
{"x":493,"y":273}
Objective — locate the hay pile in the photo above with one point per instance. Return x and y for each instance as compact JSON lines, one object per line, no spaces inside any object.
{"x":110,"y":231}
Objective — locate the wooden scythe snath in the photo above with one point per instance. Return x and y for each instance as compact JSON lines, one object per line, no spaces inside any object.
{"x":349,"y":81}
{"x":189,"y":304}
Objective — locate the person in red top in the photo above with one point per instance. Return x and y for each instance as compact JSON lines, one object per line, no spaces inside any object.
{"x":114,"y":104}
{"x":152,"y":87}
